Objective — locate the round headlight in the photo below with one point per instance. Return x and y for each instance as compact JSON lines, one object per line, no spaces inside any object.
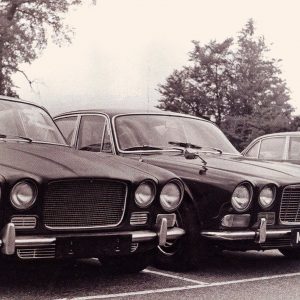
{"x":266,"y":196}
{"x":145,"y":194}
{"x":171,"y":196}
{"x":241,"y":197}
{"x":23,"y":195}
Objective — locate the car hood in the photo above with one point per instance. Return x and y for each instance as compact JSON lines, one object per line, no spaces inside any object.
{"x":224,"y":164}
{"x":53,"y":161}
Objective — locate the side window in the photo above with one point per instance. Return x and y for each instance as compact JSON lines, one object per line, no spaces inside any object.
{"x":253,"y":152}
{"x":272,"y":148}
{"x":294,"y":148}
{"x":67,"y":127}
{"x":91,"y":133}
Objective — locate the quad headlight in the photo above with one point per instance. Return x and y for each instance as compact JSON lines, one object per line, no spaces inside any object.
{"x":145,"y":194}
{"x":171,"y":195}
{"x":241,"y":197}
{"x":23,"y":194}
{"x":266,"y":196}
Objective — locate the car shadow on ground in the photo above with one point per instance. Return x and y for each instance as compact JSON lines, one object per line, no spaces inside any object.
{"x":59,"y":279}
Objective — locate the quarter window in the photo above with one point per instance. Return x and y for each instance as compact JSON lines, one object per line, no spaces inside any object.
{"x":92,"y":135}
{"x":294,"y":148}
{"x":253,"y":152}
{"x":272,"y":148}
{"x":67,"y":127}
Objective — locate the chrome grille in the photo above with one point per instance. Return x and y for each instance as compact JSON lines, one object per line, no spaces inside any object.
{"x":84,"y":204}
{"x":36,"y":253}
{"x":290,"y":205}
{"x":24,"y":222}
{"x":139,"y":218}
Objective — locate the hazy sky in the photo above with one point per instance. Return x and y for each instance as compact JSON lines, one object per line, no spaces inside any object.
{"x":123,"y":48}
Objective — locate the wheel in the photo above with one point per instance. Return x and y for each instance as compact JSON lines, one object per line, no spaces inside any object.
{"x":133,"y":263}
{"x":188,"y":252}
{"x":290,"y":253}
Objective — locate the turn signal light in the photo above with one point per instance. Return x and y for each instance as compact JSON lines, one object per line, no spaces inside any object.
{"x":237,"y":221}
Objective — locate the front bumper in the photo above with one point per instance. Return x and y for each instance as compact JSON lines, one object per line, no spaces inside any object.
{"x":259,"y":235}
{"x":9,"y":241}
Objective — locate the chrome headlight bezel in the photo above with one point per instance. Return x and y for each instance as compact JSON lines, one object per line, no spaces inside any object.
{"x":261,"y":201}
{"x":137,"y":198}
{"x":164,"y":202}
{"x":15,"y":200}
{"x":242,"y":187}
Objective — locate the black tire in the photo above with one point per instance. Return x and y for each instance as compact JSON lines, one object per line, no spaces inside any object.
{"x":290,"y":253}
{"x":190,"y":251}
{"x":133,"y":263}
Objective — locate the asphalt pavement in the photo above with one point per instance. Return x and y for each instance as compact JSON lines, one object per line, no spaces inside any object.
{"x":232,"y":275}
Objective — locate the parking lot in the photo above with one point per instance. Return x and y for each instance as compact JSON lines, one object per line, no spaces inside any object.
{"x":233,"y":275}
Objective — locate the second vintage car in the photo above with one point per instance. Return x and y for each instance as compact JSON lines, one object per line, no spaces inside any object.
{"x":234,"y":202}
{"x":56,"y":202}
{"x":280,"y":147}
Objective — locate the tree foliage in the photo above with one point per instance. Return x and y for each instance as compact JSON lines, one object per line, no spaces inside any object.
{"x":25,"y":26}
{"x":236,"y":85}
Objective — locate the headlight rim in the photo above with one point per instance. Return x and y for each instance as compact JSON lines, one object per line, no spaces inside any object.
{"x":249,"y":187}
{"x":181,"y":189}
{"x":274,"y":188}
{"x":34,"y":187}
{"x":154,"y":193}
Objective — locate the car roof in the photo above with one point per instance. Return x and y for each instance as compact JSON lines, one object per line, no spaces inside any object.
{"x":288,"y":133}
{"x":14,"y":99}
{"x":111,"y":112}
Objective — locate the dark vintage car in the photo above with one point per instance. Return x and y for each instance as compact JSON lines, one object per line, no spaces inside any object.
{"x":280,"y":147}
{"x":234,"y":202}
{"x":57,"y":202}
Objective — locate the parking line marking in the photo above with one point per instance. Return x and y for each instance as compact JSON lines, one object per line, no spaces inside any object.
{"x":174,"y":276}
{"x":181,"y":288}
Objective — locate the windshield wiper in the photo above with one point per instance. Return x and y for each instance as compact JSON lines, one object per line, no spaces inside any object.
{"x":15,"y":137}
{"x":193,"y":146}
{"x":143,"y":147}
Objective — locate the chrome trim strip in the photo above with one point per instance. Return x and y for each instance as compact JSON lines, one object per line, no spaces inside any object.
{"x":243,"y":235}
{"x":91,"y":227}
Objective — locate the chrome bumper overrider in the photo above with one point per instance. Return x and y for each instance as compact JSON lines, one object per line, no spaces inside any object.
{"x":259,"y":235}
{"x":9,"y":241}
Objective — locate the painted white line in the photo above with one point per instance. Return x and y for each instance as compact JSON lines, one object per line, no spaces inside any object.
{"x":174,"y":276}
{"x":182,"y":288}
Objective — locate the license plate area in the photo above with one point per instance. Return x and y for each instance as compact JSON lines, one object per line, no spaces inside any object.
{"x":295,"y":237}
{"x":92,"y":246}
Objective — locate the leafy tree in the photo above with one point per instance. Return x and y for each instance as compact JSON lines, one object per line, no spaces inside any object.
{"x":201,"y":89}
{"x":25,"y":26}
{"x":260,"y":96}
{"x":236,"y":85}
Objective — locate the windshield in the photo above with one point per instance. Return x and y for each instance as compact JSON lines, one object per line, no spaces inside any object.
{"x":27,"y":121}
{"x":134,"y":131}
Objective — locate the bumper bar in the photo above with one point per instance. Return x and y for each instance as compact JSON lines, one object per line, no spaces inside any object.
{"x":9,"y":241}
{"x":259,"y":236}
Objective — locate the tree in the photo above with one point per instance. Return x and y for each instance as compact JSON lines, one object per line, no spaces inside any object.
{"x":259,"y":98}
{"x":25,"y":26}
{"x":201,"y":89}
{"x":236,"y":85}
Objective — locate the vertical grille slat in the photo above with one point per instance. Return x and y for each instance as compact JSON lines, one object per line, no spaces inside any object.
{"x":290,"y":205}
{"x":84,"y":204}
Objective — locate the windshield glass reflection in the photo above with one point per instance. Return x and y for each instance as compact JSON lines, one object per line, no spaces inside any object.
{"x":24,"y":120}
{"x":157,"y":131}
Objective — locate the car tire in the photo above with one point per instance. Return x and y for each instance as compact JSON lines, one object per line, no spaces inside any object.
{"x":128,"y":264}
{"x":190,"y":251}
{"x":290,"y":253}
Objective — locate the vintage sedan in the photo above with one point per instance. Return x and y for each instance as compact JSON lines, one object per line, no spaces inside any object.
{"x":234,"y":202}
{"x":280,"y":147}
{"x":56,"y":202}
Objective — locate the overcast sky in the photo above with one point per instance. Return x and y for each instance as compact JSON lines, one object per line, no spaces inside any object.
{"x":123,"y":48}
